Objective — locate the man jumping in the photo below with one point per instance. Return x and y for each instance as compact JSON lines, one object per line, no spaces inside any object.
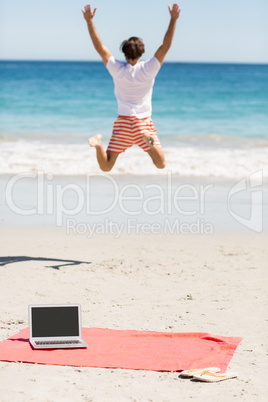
{"x":133,"y":83}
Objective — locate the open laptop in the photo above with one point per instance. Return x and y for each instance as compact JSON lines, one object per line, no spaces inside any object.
{"x":53,"y":326}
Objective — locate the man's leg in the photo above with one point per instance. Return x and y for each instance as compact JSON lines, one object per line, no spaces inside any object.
{"x":105,"y":159}
{"x":155,"y":152}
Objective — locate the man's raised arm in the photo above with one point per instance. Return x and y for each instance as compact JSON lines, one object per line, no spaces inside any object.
{"x":96,"y":40}
{"x":164,"y":48}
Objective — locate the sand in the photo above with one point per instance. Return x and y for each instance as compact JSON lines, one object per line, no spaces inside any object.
{"x":179,"y":283}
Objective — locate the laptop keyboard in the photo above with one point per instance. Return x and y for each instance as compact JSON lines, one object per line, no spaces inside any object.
{"x":57,"y":342}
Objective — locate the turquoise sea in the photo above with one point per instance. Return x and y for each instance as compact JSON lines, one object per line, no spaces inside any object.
{"x":212,"y":119}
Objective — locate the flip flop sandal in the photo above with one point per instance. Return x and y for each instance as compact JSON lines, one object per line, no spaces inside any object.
{"x":189,"y":373}
{"x":209,"y":376}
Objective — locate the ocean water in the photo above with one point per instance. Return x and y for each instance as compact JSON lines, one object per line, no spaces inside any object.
{"x":212,"y":119}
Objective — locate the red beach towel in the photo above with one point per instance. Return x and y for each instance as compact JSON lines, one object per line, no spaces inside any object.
{"x":137,"y":350}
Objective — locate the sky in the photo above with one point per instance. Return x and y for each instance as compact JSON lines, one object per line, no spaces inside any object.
{"x":234,"y":31}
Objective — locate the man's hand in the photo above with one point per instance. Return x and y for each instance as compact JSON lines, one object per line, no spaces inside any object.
{"x":88,"y":14}
{"x":174,"y":11}
{"x":163,"y":49}
{"x":96,"y":40}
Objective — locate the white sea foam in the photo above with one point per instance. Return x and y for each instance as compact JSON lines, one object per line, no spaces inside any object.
{"x":185,"y":160}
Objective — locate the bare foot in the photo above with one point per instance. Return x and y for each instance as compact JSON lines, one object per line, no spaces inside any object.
{"x":149,"y":139}
{"x":95,"y":141}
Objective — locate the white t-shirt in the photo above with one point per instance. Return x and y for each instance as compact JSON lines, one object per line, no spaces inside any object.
{"x":133,"y":86}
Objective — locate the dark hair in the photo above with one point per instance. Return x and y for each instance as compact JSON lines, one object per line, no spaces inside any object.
{"x":133,"y":47}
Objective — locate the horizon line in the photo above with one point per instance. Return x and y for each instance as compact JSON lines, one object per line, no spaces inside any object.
{"x":165,"y":62}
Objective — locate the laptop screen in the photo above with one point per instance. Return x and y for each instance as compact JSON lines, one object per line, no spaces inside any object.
{"x":55,"y":321}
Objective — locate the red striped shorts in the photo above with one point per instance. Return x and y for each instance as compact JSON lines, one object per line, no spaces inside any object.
{"x":129,"y":130}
